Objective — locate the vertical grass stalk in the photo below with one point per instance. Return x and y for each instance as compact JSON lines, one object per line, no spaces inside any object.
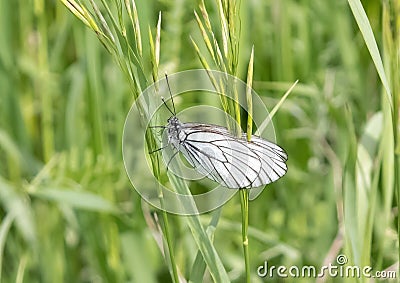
{"x":42,"y":86}
{"x":128,"y":54}
{"x":155,"y":61}
{"x":168,"y":239}
{"x":244,"y":204}
{"x":391,"y":39}
{"x":226,"y":60}
{"x":244,"y":193}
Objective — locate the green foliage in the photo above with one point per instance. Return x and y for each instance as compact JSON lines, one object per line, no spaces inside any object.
{"x":69,"y":71}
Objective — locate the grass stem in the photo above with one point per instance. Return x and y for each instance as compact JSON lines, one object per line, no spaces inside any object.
{"x":168,"y":237}
{"x":244,"y":203}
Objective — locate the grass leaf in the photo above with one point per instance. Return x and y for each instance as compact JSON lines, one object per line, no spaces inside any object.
{"x":77,"y":199}
{"x":363,"y":23}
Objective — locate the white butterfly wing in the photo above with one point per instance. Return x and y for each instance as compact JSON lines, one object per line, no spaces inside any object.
{"x":234,"y":163}
{"x":272,"y":158}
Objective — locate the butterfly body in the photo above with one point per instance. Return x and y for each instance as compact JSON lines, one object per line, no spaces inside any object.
{"x":175,"y":133}
{"x":231,"y":161}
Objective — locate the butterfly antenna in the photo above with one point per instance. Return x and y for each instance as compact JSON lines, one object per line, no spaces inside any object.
{"x":170,"y":93}
{"x":166,"y":105}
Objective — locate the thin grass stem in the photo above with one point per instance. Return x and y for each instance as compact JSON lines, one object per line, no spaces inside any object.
{"x":244,"y":204}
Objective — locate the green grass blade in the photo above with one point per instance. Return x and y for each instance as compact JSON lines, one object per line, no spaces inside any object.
{"x":77,"y":199}
{"x":203,"y":242}
{"x":14,"y":203}
{"x":4,"y":229}
{"x":249,"y":85}
{"x":265,"y":123}
{"x":199,"y":266}
{"x":366,"y":183}
{"x":363,"y":23}
{"x":350,"y":195}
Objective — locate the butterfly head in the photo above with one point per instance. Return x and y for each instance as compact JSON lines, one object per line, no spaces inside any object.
{"x":173,"y":128}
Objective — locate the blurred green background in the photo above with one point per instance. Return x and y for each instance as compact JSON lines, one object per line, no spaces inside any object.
{"x":68,"y":212}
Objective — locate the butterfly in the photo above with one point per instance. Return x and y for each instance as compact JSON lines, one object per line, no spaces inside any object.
{"x":213,"y":151}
